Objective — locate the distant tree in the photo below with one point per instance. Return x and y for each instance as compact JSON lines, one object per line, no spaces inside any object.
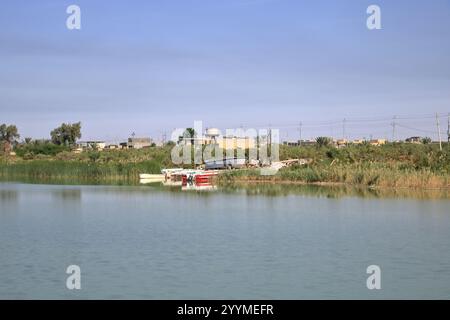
{"x":189,"y":133}
{"x":94,"y":146}
{"x":8,"y":136}
{"x":35,"y":147}
{"x":426,"y":140}
{"x":323,"y":141}
{"x":94,"y":155}
{"x":28,"y":140}
{"x":66,"y":134}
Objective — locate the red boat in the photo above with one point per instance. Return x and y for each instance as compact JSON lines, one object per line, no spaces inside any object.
{"x":202,"y":177}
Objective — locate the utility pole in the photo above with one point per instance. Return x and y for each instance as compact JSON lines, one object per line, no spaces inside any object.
{"x":393,"y":128}
{"x":343,"y":128}
{"x":269,"y":138}
{"x":448,"y":128}
{"x":300,"y":134}
{"x":269,"y":145}
{"x":439,"y":132}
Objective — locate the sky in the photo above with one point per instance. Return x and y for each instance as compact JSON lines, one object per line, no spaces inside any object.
{"x":149,"y":67}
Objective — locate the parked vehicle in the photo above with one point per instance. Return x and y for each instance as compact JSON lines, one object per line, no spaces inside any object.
{"x":225,"y":163}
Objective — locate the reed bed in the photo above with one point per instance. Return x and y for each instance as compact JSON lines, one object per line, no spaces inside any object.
{"x":59,"y":169}
{"x":372,"y":175}
{"x":391,"y":166}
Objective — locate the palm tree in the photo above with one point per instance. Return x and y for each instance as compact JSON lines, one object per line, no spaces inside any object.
{"x":190,"y":133}
{"x":323,"y":141}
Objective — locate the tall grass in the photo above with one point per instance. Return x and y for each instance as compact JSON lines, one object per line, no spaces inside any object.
{"x":58,"y":169}
{"x":375,"y":174}
{"x":392,"y":165}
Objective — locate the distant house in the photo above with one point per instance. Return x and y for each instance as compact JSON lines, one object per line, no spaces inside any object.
{"x":233,"y":142}
{"x":291,"y":143}
{"x":307,"y":142}
{"x":223,"y":142}
{"x":377,"y":142}
{"x":139,"y":143}
{"x":98,"y":145}
{"x":414,"y":140}
{"x":112,"y":146}
{"x":341,"y":142}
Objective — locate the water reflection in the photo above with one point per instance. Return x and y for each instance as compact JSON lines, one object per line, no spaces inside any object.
{"x":8,"y":195}
{"x":67,"y":194}
{"x":250,"y":189}
{"x":334,"y":191}
{"x":199,"y":187}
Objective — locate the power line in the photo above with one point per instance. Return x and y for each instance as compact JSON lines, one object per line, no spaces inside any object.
{"x":414,"y":129}
{"x":328,"y":123}
{"x":343,"y":128}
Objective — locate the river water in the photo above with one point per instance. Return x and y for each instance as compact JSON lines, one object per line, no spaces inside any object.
{"x":149,"y":242}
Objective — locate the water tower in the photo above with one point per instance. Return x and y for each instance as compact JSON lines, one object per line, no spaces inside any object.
{"x":212,"y":133}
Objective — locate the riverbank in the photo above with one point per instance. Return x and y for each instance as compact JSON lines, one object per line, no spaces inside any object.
{"x":366,"y":175}
{"x":369,"y":175}
{"x":389,"y":166}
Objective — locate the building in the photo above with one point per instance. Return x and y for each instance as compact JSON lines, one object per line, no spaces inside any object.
{"x":112,"y":146}
{"x":138,"y":143}
{"x":233,"y":142}
{"x":377,"y":142}
{"x":213,"y":136}
{"x":291,"y":143}
{"x":96,"y":145}
{"x":341,"y":143}
{"x":414,"y":140}
{"x":308,"y":142}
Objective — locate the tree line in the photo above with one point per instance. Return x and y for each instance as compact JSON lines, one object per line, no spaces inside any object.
{"x":65,"y":135}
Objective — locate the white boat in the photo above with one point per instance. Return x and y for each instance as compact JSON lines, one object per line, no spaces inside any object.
{"x":155,"y":177}
{"x":149,"y":181}
{"x":169,"y":172}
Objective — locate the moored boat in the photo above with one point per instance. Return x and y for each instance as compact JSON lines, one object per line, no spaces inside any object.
{"x":199,"y":176}
{"x":146,"y":176}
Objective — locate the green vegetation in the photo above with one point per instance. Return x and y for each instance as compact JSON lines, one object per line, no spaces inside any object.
{"x":32,"y":149}
{"x":324,"y":141}
{"x":66,"y":134}
{"x":391,"y":165}
{"x":91,"y":165}
{"x":189,"y":133}
{"x":8,"y":137}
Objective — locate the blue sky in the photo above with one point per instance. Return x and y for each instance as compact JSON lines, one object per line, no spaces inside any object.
{"x":151,"y":66}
